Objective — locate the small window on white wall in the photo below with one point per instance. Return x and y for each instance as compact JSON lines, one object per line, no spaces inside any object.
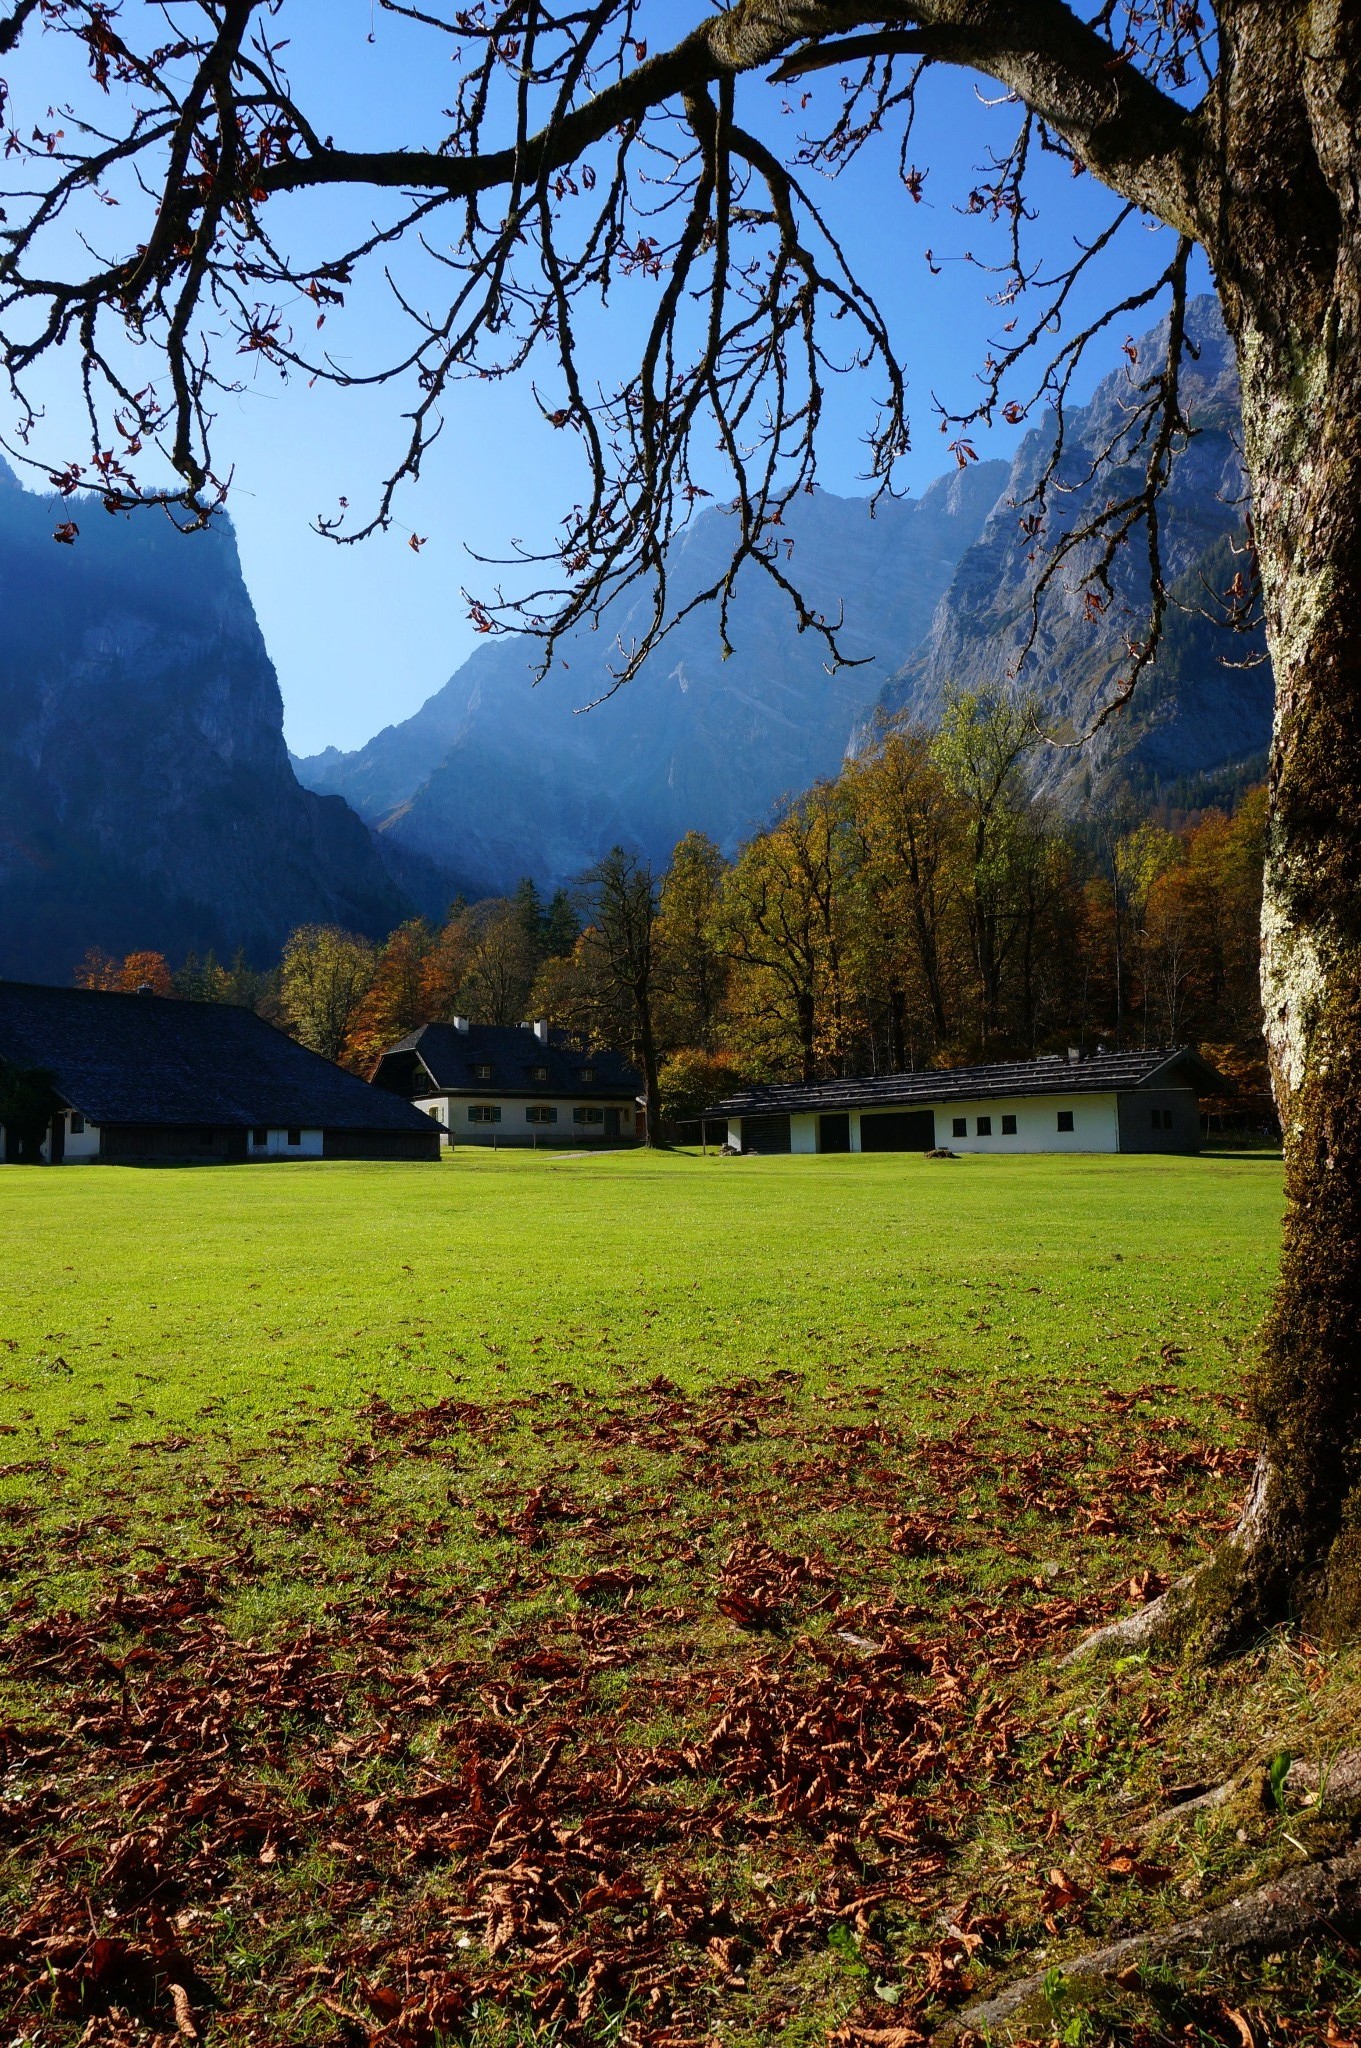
{"x":77,"y":1123}
{"x":541,"y":1113}
{"x":984,"y":1126}
{"x":1008,"y":1127}
{"x":960,"y":1127}
{"x":1065,"y":1119}
{"x":484,"y":1112}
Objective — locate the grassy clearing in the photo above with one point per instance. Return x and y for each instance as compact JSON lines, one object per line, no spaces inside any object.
{"x":259,"y":1291}
{"x":618,"y":1599}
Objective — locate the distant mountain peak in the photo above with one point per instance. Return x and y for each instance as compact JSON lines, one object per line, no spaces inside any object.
{"x":146,"y":797}
{"x":1194,"y":714}
{"x":490,"y":779}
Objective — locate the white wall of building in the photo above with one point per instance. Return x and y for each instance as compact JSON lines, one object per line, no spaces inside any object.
{"x":514,"y":1125}
{"x":311,"y":1145}
{"x":82,"y":1144}
{"x":1095,"y":1125}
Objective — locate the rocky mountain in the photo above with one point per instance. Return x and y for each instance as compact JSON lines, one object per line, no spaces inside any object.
{"x":1200,"y":719}
{"x":494,"y":778}
{"x":146,"y":796}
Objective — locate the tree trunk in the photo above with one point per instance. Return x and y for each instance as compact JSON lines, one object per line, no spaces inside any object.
{"x":646,"y":1041}
{"x":1297,"y":1550}
{"x":806,"y":1009}
{"x":1300,"y":1547}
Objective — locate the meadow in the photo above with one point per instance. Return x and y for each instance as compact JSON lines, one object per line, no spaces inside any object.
{"x":252,"y":1293}
{"x":564,"y":1599}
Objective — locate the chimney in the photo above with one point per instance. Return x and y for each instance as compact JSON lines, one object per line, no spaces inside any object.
{"x":144,"y":988}
{"x":459,"y":1023}
{"x":1074,"y":1055}
{"x":541,"y":1030}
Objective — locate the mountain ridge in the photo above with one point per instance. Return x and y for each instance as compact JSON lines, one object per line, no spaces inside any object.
{"x":1205,"y":704}
{"x":493,"y":777}
{"x":146,"y":796}
{"x":936,"y":591}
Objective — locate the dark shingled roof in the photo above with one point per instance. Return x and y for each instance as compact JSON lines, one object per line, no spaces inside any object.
{"x":512,"y":1051}
{"x":122,"y":1059}
{"x":1100,"y":1073}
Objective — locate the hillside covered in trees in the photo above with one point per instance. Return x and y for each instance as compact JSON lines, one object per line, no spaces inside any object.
{"x":923,"y":908}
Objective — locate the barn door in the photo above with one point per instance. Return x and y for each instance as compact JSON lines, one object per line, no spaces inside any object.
{"x":765,"y":1134}
{"x":898,"y":1130}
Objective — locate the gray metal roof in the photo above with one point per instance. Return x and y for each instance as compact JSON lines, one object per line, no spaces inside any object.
{"x":1099,"y":1073}
{"x":124,"y":1059}
{"x":450,"y":1058}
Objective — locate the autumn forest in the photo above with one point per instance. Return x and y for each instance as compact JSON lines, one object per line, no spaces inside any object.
{"x":924,"y":908}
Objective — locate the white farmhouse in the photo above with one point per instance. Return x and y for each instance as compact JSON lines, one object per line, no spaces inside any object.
{"x":1100,"y":1102}
{"x":497,"y":1084}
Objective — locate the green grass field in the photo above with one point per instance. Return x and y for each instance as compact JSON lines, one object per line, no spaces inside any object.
{"x":620,"y":1599}
{"x":256,"y":1292}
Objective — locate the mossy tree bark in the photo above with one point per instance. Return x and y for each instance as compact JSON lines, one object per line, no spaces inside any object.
{"x":1300,"y":1544}
{"x":1285,"y":236}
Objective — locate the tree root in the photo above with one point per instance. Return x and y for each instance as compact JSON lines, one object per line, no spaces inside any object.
{"x":1139,"y":1631}
{"x":1217,"y":1607}
{"x":1319,"y":1899}
{"x":1333,"y":1787}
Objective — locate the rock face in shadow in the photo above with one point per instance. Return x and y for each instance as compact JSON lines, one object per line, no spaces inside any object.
{"x":1201,"y":716}
{"x":494,"y":778}
{"x":146,"y":796}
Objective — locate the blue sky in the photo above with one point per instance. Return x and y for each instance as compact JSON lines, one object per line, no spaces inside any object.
{"x":362,"y":635}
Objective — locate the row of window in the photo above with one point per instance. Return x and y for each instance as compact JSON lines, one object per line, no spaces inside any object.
{"x":537,"y":1113}
{"x":260,"y":1138}
{"x":483,"y":1072}
{"x":983,"y":1125}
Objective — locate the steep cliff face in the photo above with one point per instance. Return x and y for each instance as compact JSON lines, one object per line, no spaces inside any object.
{"x":494,"y":778}
{"x":1202,"y":713}
{"x":146,"y":797}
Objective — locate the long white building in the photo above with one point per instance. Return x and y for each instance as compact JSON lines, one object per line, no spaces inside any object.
{"x":1099,"y":1102}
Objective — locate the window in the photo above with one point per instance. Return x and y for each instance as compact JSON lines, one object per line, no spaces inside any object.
{"x":540,"y":1113}
{"x":1008,"y":1127}
{"x":295,"y":1137}
{"x":960,"y":1127}
{"x":540,"y":1073}
{"x":1065,"y":1119}
{"x":259,"y":1138}
{"x":482,"y":1072}
{"x":484,"y":1112}
{"x":588,"y":1075}
{"x":984,"y":1127}
{"x":1162,"y":1119}
{"x":77,"y":1123}
{"x":588,"y":1116}
{"x":433,"y":1114}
